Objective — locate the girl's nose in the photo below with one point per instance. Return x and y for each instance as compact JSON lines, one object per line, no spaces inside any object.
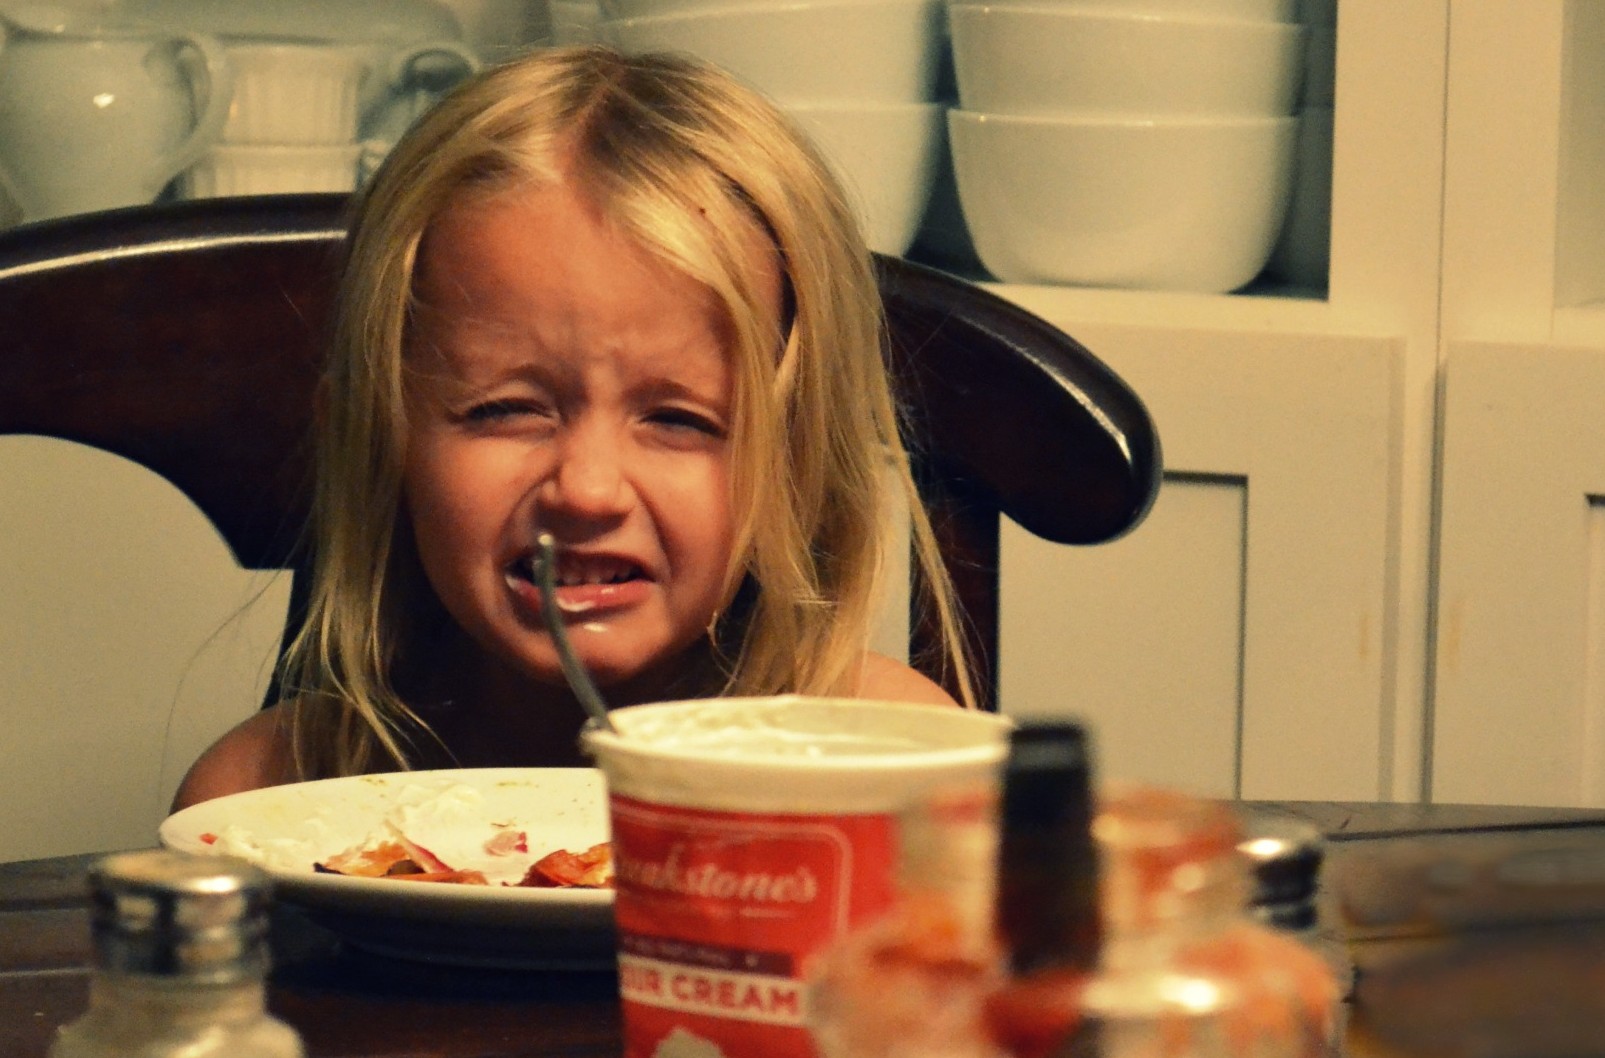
{"x":588,"y":479}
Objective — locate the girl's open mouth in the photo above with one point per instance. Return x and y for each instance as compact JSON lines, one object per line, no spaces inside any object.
{"x":584,"y":582}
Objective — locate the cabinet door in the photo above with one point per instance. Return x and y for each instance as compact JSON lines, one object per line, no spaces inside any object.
{"x":1238,"y":642}
{"x":1519,"y":712}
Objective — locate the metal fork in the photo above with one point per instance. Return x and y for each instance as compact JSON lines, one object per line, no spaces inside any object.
{"x":544,"y":567}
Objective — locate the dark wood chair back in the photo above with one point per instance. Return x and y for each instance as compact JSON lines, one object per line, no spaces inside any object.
{"x":188,"y":339}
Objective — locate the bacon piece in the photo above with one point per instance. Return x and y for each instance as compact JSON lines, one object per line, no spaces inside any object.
{"x":591,"y":869}
{"x":371,"y":862}
{"x":506,"y":841}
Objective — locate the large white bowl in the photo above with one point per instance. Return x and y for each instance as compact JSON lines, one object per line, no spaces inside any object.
{"x":807,"y":51}
{"x":1041,"y":58}
{"x":1302,"y":254}
{"x":886,"y":156}
{"x":1183,"y":204}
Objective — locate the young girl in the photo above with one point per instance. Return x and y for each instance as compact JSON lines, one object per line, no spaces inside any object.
{"x":618,"y":300}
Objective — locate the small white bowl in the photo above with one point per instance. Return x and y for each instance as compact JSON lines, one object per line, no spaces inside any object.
{"x":270,"y":169}
{"x":1245,"y":10}
{"x":1189,"y":204}
{"x":807,"y":51}
{"x":1040,"y":58}
{"x":886,"y":157}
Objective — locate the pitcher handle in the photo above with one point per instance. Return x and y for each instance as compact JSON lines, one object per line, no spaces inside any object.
{"x":402,"y":72}
{"x":413,"y":79}
{"x":219,"y":93}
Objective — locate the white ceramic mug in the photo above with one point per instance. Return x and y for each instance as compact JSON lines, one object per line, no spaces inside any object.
{"x":294,"y":92}
{"x":99,"y":116}
{"x":272,"y":169}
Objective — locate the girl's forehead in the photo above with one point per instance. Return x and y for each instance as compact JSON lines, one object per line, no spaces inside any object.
{"x":546,"y":256}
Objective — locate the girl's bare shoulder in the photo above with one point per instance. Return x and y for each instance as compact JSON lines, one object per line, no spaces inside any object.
{"x":254,"y":753}
{"x":889,"y":680}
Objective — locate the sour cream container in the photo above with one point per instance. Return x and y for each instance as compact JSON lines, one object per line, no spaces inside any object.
{"x":749,"y":834}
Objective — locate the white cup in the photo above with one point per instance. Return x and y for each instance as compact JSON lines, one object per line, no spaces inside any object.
{"x":271,"y":169}
{"x":749,"y":834}
{"x":294,"y":92}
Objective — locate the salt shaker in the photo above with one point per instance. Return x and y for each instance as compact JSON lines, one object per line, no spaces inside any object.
{"x":180,"y":960}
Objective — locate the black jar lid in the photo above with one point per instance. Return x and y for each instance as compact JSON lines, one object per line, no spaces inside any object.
{"x":1284,"y":855}
{"x":1048,"y":866}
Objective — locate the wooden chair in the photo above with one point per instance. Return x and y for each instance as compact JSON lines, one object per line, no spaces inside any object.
{"x":187,"y":338}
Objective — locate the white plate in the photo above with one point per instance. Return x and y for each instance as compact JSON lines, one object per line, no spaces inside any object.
{"x":558,"y":808}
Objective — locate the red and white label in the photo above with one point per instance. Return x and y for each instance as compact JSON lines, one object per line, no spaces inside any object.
{"x":719,"y":912}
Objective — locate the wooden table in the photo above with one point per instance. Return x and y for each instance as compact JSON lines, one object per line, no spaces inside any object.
{"x":1446,"y":970}
{"x":346,"y":1004}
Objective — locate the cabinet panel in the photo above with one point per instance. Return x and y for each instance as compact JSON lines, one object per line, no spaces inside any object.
{"x":1305,"y":426}
{"x":1082,"y":636}
{"x":1520,"y":663}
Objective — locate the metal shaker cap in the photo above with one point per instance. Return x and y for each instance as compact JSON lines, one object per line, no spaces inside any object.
{"x":161,"y":913}
{"x":1284,"y":855}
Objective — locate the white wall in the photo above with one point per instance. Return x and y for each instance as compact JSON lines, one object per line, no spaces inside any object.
{"x":129,"y":639}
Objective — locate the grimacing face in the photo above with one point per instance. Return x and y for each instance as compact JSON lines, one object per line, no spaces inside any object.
{"x":586,"y":393}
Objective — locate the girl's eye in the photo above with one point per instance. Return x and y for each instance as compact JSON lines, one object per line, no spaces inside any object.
{"x":497,"y":410}
{"x":686,"y":419}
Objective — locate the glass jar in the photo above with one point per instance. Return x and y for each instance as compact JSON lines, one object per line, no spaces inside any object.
{"x":180,"y":957}
{"x":1182,"y":968}
{"x":911,"y":983}
{"x":1186,"y":969}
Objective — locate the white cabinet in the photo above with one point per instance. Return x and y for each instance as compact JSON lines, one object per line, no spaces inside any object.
{"x":1519,"y":677}
{"x":1377,"y":567}
{"x":1265,"y":633}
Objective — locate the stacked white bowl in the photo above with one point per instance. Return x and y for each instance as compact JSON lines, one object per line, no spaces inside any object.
{"x":859,"y":76}
{"x":1125,"y":143}
{"x":1302,"y":256}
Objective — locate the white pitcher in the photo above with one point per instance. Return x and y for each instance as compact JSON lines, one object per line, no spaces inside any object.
{"x":414,"y":51}
{"x":98,"y":115}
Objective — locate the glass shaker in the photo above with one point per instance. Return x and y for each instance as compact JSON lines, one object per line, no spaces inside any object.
{"x":180,"y":959}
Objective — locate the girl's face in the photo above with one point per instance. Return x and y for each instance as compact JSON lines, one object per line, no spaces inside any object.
{"x":563,"y":379}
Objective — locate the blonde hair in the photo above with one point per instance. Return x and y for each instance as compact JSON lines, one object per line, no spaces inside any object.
{"x":691,"y":165}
